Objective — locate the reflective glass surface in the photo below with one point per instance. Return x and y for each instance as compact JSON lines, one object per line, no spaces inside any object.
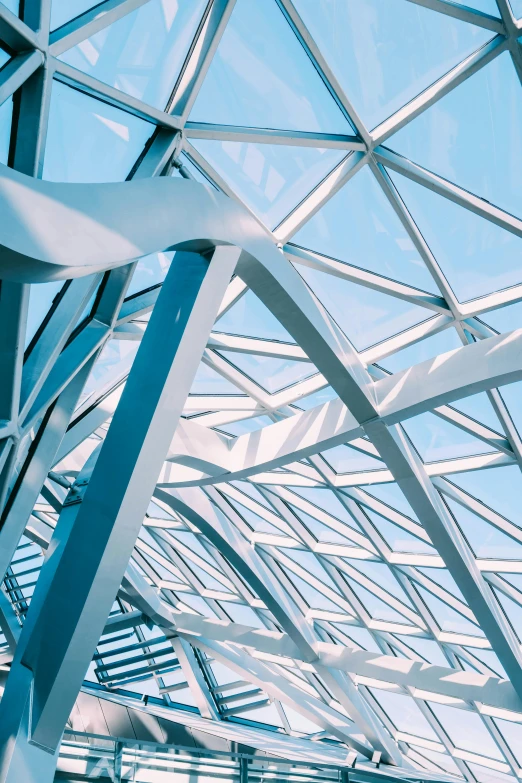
{"x":142,"y":54}
{"x":376,"y":501}
{"x":372,"y":48}
{"x":359,"y":226}
{"x":90,"y":141}
{"x":270,"y":179}
{"x":262,"y":77}
{"x":476,"y":256}
{"x":477,"y":120}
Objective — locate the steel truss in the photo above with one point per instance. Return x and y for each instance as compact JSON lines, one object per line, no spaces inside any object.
{"x":143,"y":520}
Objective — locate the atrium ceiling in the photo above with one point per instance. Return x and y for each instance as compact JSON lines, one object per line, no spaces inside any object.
{"x":377,"y":144}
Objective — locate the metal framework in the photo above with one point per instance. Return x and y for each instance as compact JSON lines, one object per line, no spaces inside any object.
{"x":176,"y":525}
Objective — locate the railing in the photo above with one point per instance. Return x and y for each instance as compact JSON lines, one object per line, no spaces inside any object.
{"x":87,"y":757}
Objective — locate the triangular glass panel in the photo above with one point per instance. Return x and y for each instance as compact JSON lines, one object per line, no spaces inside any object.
{"x":344,"y":459}
{"x":6,"y":115}
{"x":397,"y":538}
{"x":476,"y":256}
{"x":426,"y":648}
{"x":90,"y":141}
{"x":385,"y":52}
{"x":478,"y":120}
{"x":378,"y":609}
{"x":442,"y":577}
{"x":359,"y":227}
{"x":63,"y":11}
{"x":262,"y":77}
{"x":322,"y":532}
{"x":479,"y":407}
{"x":466,"y":730}
{"x":367,"y":317}
{"x":113,"y":364}
{"x":314,"y":598}
{"x":486,"y":540}
{"x":41,"y":297}
{"x":436,"y":439}
{"x":392,"y":495}
{"x":447,"y":618}
{"x":326,"y":500}
{"x":142,"y":53}
{"x":249,"y":317}
{"x":504,"y":319}
{"x":4,"y":58}
{"x":383,"y":577}
{"x":404,"y":713}
{"x":270,"y":178}
{"x":269,"y":373}
{"x":317,"y":398}
{"x":209,"y":382}
{"x":498,"y":488}
{"x":429,"y":348}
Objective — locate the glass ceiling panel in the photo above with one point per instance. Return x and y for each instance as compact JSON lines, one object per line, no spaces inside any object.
{"x":41,"y":297}
{"x":6,"y":114}
{"x":516,"y":5}
{"x":208,"y":381}
{"x":271,"y":374}
{"x":270,"y":179}
{"x":476,"y":256}
{"x":366,"y":316}
{"x":436,"y":439}
{"x":359,"y":226}
{"x":478,"y":120}
{"x":250,"y":318}
{"x":485,"y":539}
{"x":385,"y":52}
{"x":261,"y":77}
{"x":4,"y":58}
{"x":498,"y":488}
{"x":429,"y":348}
{"x":150,"y":270}
{"x":142,"y":54}
{"x":504,"y":319}
{"x":90,"y":141}
{"x":63,"y":11}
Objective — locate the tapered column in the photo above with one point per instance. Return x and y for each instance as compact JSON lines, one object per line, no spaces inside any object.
{"x":102,"y":517}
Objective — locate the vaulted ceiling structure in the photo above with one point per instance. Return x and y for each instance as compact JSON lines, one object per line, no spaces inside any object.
{"x":265,"y":388}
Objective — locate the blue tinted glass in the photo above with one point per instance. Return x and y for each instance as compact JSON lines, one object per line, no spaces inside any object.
{"x":442,"y":342}
{"x":90,"y":141}
{"x":4,"y":58}
{"x":476,"y":256}
{"x":385,"y":52}
{"x":271,"y":374}
{"x":359,"y":226}
{"x":150,"y":270}
{"x":246,"y":425}
{"x":63,"y":11}
{"x":436,"y":439}
{"x":13,"y":5}
{"x":516,"y":5}
{"x":366,"y":316}
{"x":249,"y":317}
{"x":392,"y":495}
{"x":208,"y":381}
{"x":40,"y":300}
{"x":398,"y":539}
{"x":142,"y":54}
{"x":344,"y":459}
{"x":271,"y":179}
{"x":6,"y":113}
{"x":479,"y":120}
{"x":261,"y":76}
{"x":466,"y":730}
{"x":479,"y":408}
{"x":486,"y":540}
{"x":498,"y":488}
{"x":113,"y":363}
{"x":505,"y":319}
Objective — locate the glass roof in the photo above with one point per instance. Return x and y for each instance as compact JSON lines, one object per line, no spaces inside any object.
{"x":378,"y":144}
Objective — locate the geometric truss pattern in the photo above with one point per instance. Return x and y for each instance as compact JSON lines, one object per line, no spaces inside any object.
{"x":332,"y":546}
